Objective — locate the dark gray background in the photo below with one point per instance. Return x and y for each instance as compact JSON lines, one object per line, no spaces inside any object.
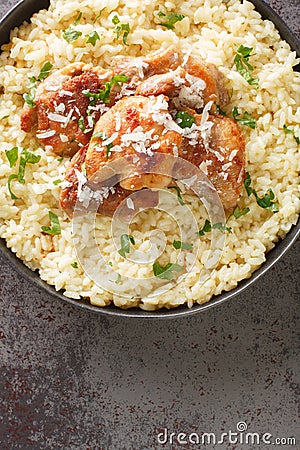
{"x":73,"y":380}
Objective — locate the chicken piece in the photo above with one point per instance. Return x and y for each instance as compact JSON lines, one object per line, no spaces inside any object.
{"x":108,"y":206}
{"x":135,"y":127}
{"x":189,"y":79}
{"x":60,"y":117}
{"x":155,"y":63}
{"x":220,"y":153}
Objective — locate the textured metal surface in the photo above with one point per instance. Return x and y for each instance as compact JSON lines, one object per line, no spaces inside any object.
{"x":70,"y":379}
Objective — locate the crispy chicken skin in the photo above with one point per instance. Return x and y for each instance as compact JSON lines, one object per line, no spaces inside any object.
{"x":169,"y":71}
{"x":109,"y":205}
{"x":136,"y":133}
{"x":222,"y":159}
{"x":60,"y":103}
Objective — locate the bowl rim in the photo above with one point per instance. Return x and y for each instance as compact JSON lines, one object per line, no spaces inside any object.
{"x":23,"y":10}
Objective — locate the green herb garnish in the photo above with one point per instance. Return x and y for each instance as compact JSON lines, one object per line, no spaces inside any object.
{"x":118,"y":280}
{"x":26,"y":157}
{"x":4,"y":117}
{"x":290,"y":131}
{"x":184,"y":119}
{"x":126,"y":240}
{"x":103,"y":94}
{"x":217,"y":226}
{"x":243,"y":66}
{"x":104,"y":137}
{"x":78,"y":18}
{"x":246,"y":119}
{"x":267,"y":201}
{"x":171,"y":19}
{"x":83,"y":168}
{"x":220,"y":111}
{"x":99,"y":15}
{"x":12,"y":156}
{"x":74,"y":265}
{"x":180,"y":199}
{"x":121,"y":28}
{"x":56,"y":182}
{"x":71,"y":35}
{"x":92,"y":38}
{"x":166,"y":272}
{"x":46,"y":69}
{"x":240,"y":212}
{"x":54,"y":229}
{"x":183,"y":245}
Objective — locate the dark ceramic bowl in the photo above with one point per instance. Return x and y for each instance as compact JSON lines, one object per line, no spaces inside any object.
{"x":23,"y":11}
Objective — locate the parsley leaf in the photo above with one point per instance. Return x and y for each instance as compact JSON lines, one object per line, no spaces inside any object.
{"x":290,"y":131}
{"x":217,"y":226}
{"x":121,"y":28}
{"x":78,"y":18}
{"x":243,"y":66}
{"x":166,"y":272}
{"x":180,"y":199}
{"x":246,"y":119}
{"x":26,"y":157}
{"x":4,"y":117}
{"x":12,"y":156}
{"x":71,"y":35}
{"x":119,"y":278}
{"x":75,"y":265}
{"x":92,"y":38}
{"x":171,"y":19}
{"x":56,"y":182}
{"x":184,"y":119}
{"x":29,"y":98}
{"x":267,"y":201}
{"x":103,"y":94}
{"x":45,"y":71}
{"x":54,"y":229}
{"x":83,"y":168}
{"x":220,"y":111}
{"x":126,"y":240}
{"x":183,"y":245}
{"x":99,"y":15}
{"x":240,"y":212}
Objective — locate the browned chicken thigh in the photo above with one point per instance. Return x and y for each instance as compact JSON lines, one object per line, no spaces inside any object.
{"x":60,"y":119}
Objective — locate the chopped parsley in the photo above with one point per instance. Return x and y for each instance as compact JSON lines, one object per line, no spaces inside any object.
{"x":45,"y":71}
{"x":246,"y":119}
{"x":267,"y":201}
{"x":220,"y":111}
{"x":184,"y":119}
{"x":103,"y":94}
{"x":183,"y":245}
{"x":12,"y":156}
{"x":126,"y":240}
{"x":61,"y":158}
{"x":243,"y":66}
{"x":166,"y":272}
{"x":104,"y":137}
{"x":71,"y":35}
{"x":83,"y":168}
{"x":56,"y":182}
{"x":99,"y":15}
{"x":290,"y":131}
{"x":81,"y":123}
{"x":118,"y":280}
{"x":26,"y":157}
{"x":75,"y":265}
{"x":4,"y":117}
{"x":92,"y":38}
{"x":180,"y":199}
{"x":121,"y":28}
{"x":207,"y":227}
{"x":240,"y":212}
{"x":170,"y":19}
{"x":78,"y":18}
{"x":54,"y":228}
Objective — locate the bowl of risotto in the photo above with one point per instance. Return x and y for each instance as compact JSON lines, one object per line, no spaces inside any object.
{"x":149,"y":152}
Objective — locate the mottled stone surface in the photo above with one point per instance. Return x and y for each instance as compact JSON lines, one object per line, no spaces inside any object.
{"x":73,"y":380}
